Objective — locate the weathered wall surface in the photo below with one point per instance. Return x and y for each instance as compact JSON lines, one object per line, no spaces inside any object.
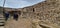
{"x":42,"y":15}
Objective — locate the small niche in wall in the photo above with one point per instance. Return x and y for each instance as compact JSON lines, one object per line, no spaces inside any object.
{"x":33,"y":10}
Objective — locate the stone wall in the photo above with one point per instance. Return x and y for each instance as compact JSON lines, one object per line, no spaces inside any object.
{"x":42,"y":15}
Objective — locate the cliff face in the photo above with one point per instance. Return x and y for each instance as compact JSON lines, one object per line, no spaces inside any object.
{"x":42,"y":15}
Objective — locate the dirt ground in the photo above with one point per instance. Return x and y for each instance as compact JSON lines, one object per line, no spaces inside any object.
{"x":21,"y":23}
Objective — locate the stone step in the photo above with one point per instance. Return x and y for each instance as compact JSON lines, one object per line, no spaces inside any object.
{"x":1,"y":17}
{"x":2,"y":20}
{"x":1,"y":26}
{"x":1,"y":23}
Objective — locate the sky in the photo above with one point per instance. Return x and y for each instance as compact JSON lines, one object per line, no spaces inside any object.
{"x":19,"y":3}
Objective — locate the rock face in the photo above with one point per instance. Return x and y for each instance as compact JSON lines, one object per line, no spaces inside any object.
{"x":42,"y":15}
